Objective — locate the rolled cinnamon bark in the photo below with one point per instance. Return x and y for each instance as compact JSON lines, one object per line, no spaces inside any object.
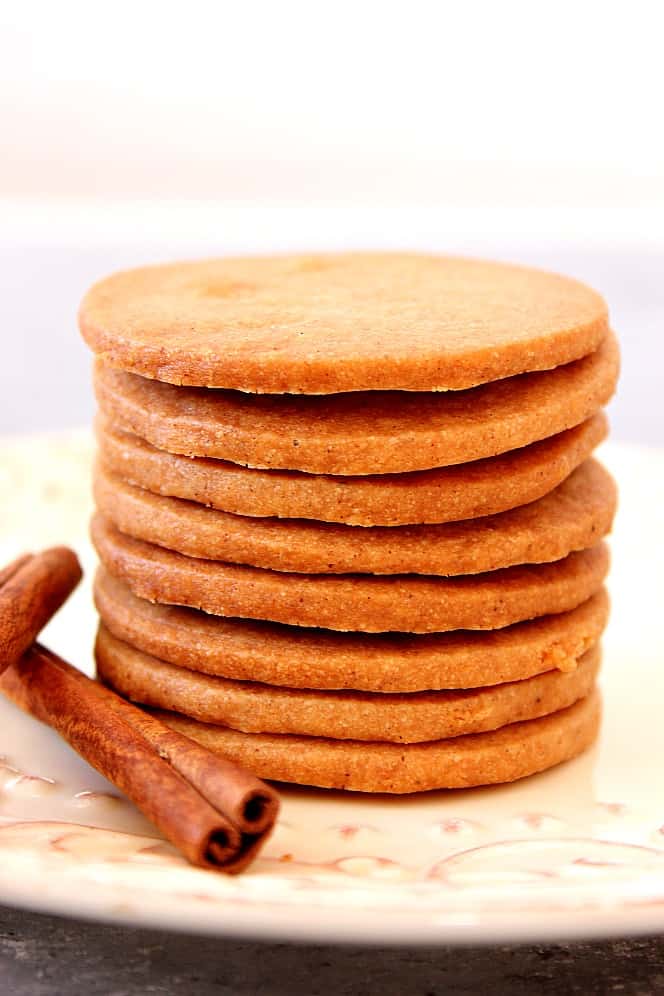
{"x":11,"y":569}
{"x":32,"y":589}
{"x":213,"y":811}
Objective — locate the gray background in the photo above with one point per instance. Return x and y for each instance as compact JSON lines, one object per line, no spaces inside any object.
{"x":45,"y":368}
{"x":48,"y":956}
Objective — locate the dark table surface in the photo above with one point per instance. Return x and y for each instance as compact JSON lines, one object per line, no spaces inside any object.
{"x":44,"y":955}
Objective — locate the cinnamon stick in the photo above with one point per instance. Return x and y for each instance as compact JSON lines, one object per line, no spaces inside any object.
{"x":11,"y":569}
{"x":32,"y":589}
{"x":212,"y":810}
{"x":215,"y":812}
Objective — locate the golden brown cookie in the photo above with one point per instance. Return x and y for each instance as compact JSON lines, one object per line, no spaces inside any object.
{"x":410,"y":718}
{"x":403,"y":602}
{"x":378,"y":432}
{"x":313,"y":658}
{"x":447,"y":494}
{"x":574,"y":516}
{"x":345,"y":322}
{"x":503,"y":755}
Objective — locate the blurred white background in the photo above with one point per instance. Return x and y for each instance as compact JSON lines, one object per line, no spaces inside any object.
{"x":149,"y":131}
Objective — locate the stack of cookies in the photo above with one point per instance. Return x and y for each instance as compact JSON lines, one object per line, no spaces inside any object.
{"x":349,"y":523}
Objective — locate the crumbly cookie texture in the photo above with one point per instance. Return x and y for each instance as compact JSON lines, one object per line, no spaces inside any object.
{"x":343,"y":715}
{"x":503,"y":755}
{"x":346,"y":322}
{"x":448,"y":494}
{"x":402,"y":602}
{"x":275,"y":654}
{"x":575,"y":516}
{"x":377,"y":432}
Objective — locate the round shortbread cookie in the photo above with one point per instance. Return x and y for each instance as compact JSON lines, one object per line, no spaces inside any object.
{"x":405,"y":603}
{"x":360,"y":433}
{"x":327,"y":323}
{"x":275,"y":654}
{"x":447,"y":494}
{"x":410,"y":718}
{"x":503,"y":755}
{"x":574,"y":516}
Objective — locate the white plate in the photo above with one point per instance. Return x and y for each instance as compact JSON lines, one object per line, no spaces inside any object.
{"x":575,"y":852}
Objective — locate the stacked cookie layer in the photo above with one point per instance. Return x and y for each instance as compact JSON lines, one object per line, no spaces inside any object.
{"x":350,"y":527}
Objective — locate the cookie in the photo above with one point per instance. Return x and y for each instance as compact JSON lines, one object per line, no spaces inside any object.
{"x":502,"y":755}
{"x":377,"y":432}
{"x":346,"y":322}
{"x":572,"y":517}
{"x":344,"y":715}
{"x":275,"y":654}
{"x":405,"y":603}
{"x":448,"y":494}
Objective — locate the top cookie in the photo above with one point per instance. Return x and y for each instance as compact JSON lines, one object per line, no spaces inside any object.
{"x":347,"y":322}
